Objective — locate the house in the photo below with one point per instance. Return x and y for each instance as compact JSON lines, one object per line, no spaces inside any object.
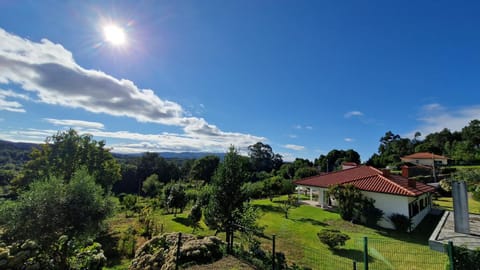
{"x":426,"y":159}
{"x":393,"y":194}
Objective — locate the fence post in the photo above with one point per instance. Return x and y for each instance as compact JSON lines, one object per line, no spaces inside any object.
{"x":179,"y":243}
{"x":273,"y":252}
{"x":365,"y":253}
{"x":450,"y":255}
{"x":354,"y":265}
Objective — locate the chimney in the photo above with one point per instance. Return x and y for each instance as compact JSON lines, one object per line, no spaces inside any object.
{"x":405,"y":171}
{"x":460,"y":207}
{"x":386,"y":172}
{"x":412,"y":183}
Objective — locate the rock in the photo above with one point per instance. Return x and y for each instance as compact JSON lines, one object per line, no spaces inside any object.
{"x":160,"y":253}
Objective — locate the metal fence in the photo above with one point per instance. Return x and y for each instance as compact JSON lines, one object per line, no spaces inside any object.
{"x":363,"y":253}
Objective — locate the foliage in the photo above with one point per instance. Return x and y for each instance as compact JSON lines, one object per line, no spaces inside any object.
{"x":151,"y":186}
{"x":476,"y":193}
{"x":464,"y":258}
{"x":287,"y":204}
{"x":52,"y":208}
{"x":129,"y":201}
{"x":152,"y":163}
{"x":176,"y":198}
{"x":334,"y":159}
{"x":88,"y":257}
{"x":401,"y":222}
{"x":195,"y":216}
{"x":370,"y":213}
{"x":65,"y":153}
{"x":204,"y":168}
{"x":227,"y":199}
{"x":263,"y":158}
{"x":305,"y":172}
{"x":349,"y":200}
{"x":332,"y":238}
{"x":470,"y":176}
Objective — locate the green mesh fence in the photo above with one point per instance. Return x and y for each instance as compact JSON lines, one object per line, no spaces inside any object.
{"x":383,"y":254}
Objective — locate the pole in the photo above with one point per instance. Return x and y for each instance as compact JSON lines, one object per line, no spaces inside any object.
{"x":450,"y":255}
{"x":365,"y":253}
{"x":273,"y":252}
{"x":354,"y":265}
{"x":179,"y":242}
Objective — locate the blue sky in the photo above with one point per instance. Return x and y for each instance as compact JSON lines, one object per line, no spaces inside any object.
{"x":305,"y":77}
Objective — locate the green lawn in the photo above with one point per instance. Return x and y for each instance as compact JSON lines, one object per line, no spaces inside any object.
{"x":447,"y":204}
{"x":296,"y":237}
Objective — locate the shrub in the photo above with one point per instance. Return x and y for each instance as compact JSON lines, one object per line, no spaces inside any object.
{"x":332,"y":238}
{"x":401,"y":222}
{"x":476,"y":194}
{"x":370,"y":213}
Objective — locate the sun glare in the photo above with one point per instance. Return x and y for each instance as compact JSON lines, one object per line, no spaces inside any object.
{"x":114,"y":35}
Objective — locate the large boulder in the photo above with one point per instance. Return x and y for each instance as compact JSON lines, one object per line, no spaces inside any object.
{"x":160,"y":252}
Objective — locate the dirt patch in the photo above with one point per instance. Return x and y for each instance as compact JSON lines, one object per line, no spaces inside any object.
{"x":227,"y":263}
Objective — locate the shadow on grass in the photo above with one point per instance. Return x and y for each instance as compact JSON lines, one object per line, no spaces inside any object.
{"x":420,"y":235}
{"x":311,"y":221}
{"x":352,"y":254}
{"x":182,"y":220}
{"x":270,"y":208}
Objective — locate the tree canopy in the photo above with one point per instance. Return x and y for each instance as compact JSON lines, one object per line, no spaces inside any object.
{"x":66,"y":152}
{"x":263,"y":158}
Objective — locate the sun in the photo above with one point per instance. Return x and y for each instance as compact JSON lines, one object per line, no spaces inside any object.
{"x":114,"y":35}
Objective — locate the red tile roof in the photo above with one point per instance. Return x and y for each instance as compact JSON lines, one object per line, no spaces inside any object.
{"x":368,"y":179}
{"x":424,"y":155}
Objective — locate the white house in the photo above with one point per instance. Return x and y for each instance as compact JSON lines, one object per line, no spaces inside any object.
{"x":392,"y":193}
{"x":424,"y":158}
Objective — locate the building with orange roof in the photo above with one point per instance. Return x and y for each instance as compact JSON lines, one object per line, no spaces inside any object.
{"x":393,"y":194}
{"x":426,"y":159}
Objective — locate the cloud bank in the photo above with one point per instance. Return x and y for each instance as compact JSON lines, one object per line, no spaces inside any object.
{"x":49,"y":72}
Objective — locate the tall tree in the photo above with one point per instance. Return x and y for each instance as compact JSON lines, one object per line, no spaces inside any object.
{"x":263,"y":158}
{"x":204,"y":168}
{"x":334,"y":159}
{"x":227,"y":198}
{"x":66,"y":152}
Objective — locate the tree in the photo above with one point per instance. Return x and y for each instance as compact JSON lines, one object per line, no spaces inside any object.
{"x":65,"y":153}
{"x":334,"y":159}
{"x":305,"y":172}
{"x":151,"y":163}
{"x":204,"y":168}
{"x":151,"y":186}
{"x":227,"y":198}
{"x":263,"y":158}
{"x":54,"y":209}
{"x":177,"y":198}
{"x":195,"y":216}
{"x":349,"y":200}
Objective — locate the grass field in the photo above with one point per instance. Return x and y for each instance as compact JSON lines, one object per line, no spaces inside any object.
{"x":447,"y":204}
{"x":296,"y":238}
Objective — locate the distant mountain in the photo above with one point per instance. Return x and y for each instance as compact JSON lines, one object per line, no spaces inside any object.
{"x":174,"y":155}
{"x":17,"y":153}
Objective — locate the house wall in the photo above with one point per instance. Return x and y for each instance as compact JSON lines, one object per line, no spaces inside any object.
{"x":426,"y":162}
{"x":389,"y":204}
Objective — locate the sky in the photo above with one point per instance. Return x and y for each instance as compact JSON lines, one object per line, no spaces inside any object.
{"x":304,"y":77}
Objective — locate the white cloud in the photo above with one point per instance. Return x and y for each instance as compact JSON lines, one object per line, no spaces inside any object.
{"x":74,"y":123}
{"x":435,"y":117}
{"x":353,"y":113}
{"x":9,"y":105}
{"x":303,"y":127}
{"x":349,"y":139}
{"x":294,"y":147}
{"x":50,"y":72}
{"x":293,"y":136}
{"x":133,"y":142}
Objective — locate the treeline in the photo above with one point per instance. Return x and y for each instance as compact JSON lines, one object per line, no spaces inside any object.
{"x":462,"y":147}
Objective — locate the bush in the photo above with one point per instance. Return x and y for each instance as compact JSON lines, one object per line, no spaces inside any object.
{"x":476,"y":193}
{"x":370,"y":213}
{"x":401,"y":222}
{"x":332,"y":238}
